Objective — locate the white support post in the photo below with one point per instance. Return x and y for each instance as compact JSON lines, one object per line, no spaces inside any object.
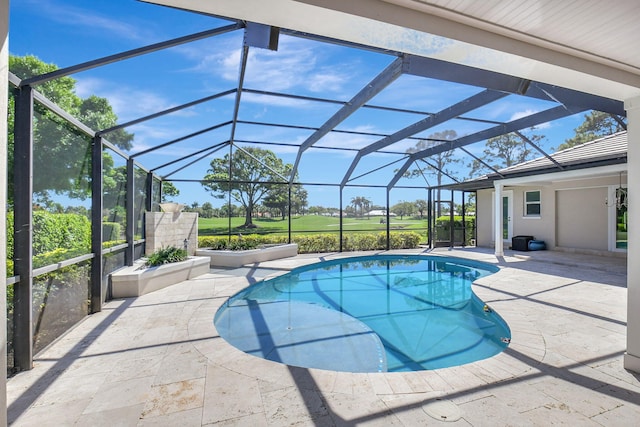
{"x":632,"y":356}
{"x":499,"y":249}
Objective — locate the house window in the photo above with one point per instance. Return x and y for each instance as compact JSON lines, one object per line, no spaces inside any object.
{"x":532,"y":203}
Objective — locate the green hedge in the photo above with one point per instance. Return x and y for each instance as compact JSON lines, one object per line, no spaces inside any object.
{"x":56,"y":237}
{"x":60,"y":231}
{"x":443,"y":233}
{"x":312,"y":243}
{"x":111,"y":231}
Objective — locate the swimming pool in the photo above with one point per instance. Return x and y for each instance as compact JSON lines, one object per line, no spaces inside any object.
{"x":368,"y":314}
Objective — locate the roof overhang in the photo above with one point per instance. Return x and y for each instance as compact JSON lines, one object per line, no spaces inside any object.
{"x":417,"y":27}
{"x":546,"y":176}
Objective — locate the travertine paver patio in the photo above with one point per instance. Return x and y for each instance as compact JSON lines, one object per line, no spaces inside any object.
{"x":157,"y":360}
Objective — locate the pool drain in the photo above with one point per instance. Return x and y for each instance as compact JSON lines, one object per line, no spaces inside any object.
{"x":443,"y":410}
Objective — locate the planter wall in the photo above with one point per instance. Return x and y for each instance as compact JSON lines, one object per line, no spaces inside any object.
{"x":240,"y":258}
{"x":164,"y":229}
{"x":136,"y":280}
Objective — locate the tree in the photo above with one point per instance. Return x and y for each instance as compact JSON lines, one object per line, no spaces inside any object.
{"x":169,"y":190}
{"x":317,"y":210}
{"x":596,"y":124}
{"x":251,"y":171}
{"x":278,"y":196}
{"x":207,"y":210}
{"x":61,"y":153}
{"x":421,"y":206}
{"x":403,"y":208}
{"x":360,"y":202}
{"x":299,"y":201}
{"x":506,"y":150}
{"x":440,"y":163}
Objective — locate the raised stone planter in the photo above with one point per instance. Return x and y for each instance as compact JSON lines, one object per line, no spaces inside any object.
{"x":137,"y":280}
{"x":239,"y":258}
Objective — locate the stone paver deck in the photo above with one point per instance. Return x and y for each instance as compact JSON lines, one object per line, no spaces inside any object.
{"x":157,"y":360}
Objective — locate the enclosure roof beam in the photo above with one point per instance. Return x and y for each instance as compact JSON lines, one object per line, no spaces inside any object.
{"x":621,"y":122}
{"x":263,"y":164}
{"x":236,"y":107}
{"x":353,"y":132}
{"x":164,"y":165}
{"x":522,"y":123}
{"x":167,"y":111}
{"x":375,"y":170}
{"x":213,"y":150}
{"x":540,"y":150}
{"x":182,"y":138}
{"x":478,"y":100}
{"x":485,"y":164}
{"x":128,"y":54}
{"x":464,"y":74}
{"x":381,"y":81}
{"x":290,"y":144}
{"x":442,"y":171}
{"x":531,"y":120}
{"x":369,"y":106}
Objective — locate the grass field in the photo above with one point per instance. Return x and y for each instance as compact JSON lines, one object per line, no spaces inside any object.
{"x":309,"y":224}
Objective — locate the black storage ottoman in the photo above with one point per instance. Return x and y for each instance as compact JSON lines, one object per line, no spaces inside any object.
{"x":520,"y":243}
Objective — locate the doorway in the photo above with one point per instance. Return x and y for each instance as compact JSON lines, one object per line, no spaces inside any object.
{"x":507,"y":215}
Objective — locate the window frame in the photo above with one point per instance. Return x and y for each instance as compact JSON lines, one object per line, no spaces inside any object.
{"x":527,"y":203}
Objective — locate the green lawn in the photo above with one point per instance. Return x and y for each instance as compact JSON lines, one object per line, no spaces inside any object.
{"x":307,"y":223}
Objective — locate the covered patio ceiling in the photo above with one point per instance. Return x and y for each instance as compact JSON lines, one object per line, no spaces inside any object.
{"x":480,"y":89}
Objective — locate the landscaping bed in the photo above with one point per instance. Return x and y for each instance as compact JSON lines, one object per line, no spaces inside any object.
{"x":139,"y":279}
{"x":237,"y":258}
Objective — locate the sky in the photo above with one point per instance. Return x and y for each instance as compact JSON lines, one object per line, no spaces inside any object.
{"x":69,"y":32}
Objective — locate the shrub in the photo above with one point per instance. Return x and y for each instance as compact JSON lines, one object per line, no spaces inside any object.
{"x":313,"y":243}
{"x":60,"y":231}
{"x":443,"y":232}
{"x":317,"y":243}
{"x":56,"y":237}
{"x":166,"y":256}
{"x":110,"y":231}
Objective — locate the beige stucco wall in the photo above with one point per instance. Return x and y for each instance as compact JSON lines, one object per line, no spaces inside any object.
{"x":484,"y":218}
{"x":164,"y":229}
{"x":573,"y":214}
{"x":582,"y":218}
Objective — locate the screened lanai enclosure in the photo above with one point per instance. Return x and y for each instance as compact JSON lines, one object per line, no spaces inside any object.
{"x":289,"y":134}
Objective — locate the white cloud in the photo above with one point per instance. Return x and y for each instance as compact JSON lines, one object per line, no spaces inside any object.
{"x":276,"y":101}
{"x":296,"y":65}
{"x":128,"y":103}
{"x":77,"y":17}
{"x":525,"y":113}
{"x":520,"y":114}
{"x":347,"y":140}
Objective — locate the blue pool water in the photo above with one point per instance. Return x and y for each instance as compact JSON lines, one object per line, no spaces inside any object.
{"x":368,"y":314}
